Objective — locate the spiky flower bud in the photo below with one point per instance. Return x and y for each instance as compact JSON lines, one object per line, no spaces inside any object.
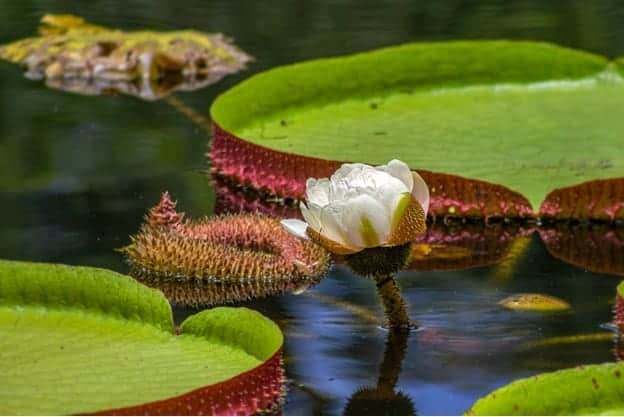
{"x":221,"y":259}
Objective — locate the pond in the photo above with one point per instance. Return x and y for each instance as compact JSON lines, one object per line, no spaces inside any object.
{"x":78,"y":173}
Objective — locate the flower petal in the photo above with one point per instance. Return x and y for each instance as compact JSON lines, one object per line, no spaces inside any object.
{"x":420,"y":192}
{"x":296,"y":227}
{"x":317,"y":191}
{"x":331,"y":225}
{"x":311,"y":214}
{"x":329,"y":244}
{"x":365,"y":221}
{"x":400,"y":170}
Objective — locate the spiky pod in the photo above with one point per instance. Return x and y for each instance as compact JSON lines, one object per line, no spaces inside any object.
{"x":284,"y":175}
{"x":244,"y":256}
{"x":597,"y":249}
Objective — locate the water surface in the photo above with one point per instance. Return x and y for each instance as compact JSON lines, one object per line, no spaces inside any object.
{"x":78,"y":173}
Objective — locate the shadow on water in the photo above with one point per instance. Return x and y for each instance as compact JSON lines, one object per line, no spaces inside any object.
{"x":78,"y":173}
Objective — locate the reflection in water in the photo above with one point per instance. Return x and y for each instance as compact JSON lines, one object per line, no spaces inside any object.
{"x":460,"y":246}
{"x":597,"y":248}
{"x":446,"y":247}
{"x":145,"y":89}
{"x":384,"y":399}
{"x":232,"y":198}
{"x":79,"y":187}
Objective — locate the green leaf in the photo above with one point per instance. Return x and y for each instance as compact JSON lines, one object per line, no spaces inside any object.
{"x":531,"y":116}
{"x":585,"y":390}
{"x":82,"y":340}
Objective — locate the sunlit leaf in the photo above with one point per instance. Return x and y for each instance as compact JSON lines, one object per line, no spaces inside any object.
{"x":509,"y":121}
{"x":534,"y":302}
{"x":585,"y":390}
{"x":83,"y":340}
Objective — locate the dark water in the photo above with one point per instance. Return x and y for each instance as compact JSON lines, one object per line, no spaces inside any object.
{"x":78,"y":173}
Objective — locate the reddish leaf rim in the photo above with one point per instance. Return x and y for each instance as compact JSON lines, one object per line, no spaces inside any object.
{"x":597,"y":200}
{"x":284,"y":175}
{"x":258,"y":390}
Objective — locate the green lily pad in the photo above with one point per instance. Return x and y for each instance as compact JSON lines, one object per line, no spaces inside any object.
{"x":534,"y":302}
{"x":82,"y":340}
{"x":533,"y":117}
{"x":585,"y":390}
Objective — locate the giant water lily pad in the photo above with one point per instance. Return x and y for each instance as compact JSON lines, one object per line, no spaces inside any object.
{"x":75,"y":55}
{"x":84,"y":340}
{"x":492,"y":126}
{"x":585,"y":390}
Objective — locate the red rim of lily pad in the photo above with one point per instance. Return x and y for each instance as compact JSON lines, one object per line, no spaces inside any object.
{"x":284,"y":175}
{"x":257,"y":391}
{"x":619,"y":306}
{"x":275,"y":164}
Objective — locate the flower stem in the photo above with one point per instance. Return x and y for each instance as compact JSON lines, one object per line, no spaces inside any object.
{"x":394,"y":305}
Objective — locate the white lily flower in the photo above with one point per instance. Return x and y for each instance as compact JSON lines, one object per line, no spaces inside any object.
{"x":362,"y":206}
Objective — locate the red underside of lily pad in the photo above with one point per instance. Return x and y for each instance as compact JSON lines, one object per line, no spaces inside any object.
{"x":619,"y":311}
{"x":597,"y":200}
{"x":231,"y":199}
{"x":259,"y":390}
{"x":284,"y":175}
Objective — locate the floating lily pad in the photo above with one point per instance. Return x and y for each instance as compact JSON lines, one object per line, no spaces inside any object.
{"x":534,"y":302}
{"x":493,"y":126}
{"x":84,"y":340}
{"x":585,"y":390}
{"x":75,"y":55}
